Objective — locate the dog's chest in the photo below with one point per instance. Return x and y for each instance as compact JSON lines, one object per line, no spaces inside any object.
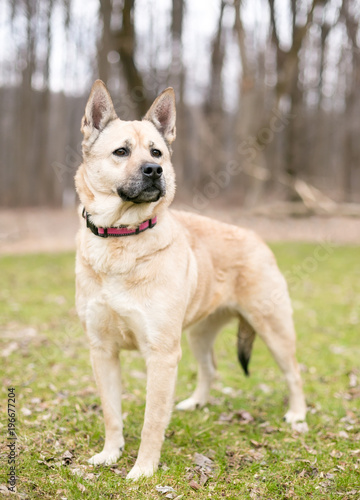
{"x":120,"y":309}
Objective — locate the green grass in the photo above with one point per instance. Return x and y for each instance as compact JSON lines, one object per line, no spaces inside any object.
{"x":44,"y":355}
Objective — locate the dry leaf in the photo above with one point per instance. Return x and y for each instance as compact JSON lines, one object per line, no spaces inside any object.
{"x":229,"y":391}
{"x":300,"y":427}
{"x":164,"y":489}
{"x":202,"y":460}
{"x":226,"y":417}
{"x":67,"y":457}
{"x":244,"y":416}
{"x":265,"y":388}
{"x":354,"y":452}
{"x":120,"y":472}
{"x":256,"y":443}
{"x":310,"y":450}
{"x":13,"y":346}
{"x":194,"y":485}
{"x":203,"y":479}
{"x":4,"y":490}
{"x":352,"y":380}
{"x":81,"y":487}
{"x":336,"y":454}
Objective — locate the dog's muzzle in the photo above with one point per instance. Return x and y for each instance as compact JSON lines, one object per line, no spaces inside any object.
{"x":147,"y":187}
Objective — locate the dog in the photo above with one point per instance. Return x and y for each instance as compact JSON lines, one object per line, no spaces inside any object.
{"x":145,"y":272}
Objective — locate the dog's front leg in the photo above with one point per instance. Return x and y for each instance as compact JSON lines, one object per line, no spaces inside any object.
{"x":106,"y":366}
{"x":161,"y":379}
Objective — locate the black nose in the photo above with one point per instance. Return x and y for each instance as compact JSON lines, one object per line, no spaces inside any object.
{"x":152,"y":170}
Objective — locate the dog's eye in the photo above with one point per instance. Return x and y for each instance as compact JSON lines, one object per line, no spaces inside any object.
{"x":121,"y":152}
{"x":156,"y":153}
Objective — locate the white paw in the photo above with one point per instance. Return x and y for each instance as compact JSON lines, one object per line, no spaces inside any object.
{"x":106,"y":457}
{"x":189,"y":404}
{"x":137,"y":472}
{"x":291,"y":416}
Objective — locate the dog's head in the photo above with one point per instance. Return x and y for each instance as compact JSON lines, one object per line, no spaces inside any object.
{"x":126,"y":176}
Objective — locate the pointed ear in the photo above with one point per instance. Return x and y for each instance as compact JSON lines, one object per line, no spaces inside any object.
{"x":163,"y":114}
{"x":99,"y":110}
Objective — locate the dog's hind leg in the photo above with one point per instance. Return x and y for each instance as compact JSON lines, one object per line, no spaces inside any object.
{"x":201,"y":339}
{"x":272,"y":321}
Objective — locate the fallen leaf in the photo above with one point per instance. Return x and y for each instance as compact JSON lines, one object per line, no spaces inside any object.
{"x":229,"y":391}
{"x":138,"y":374}
{"x":203,"y":479}
{"x":310,"y":450}
{"x":164,"y":489}
{"x":81,"y":487}
{"x":194,"y":485}
{"x":265,"y":388}
{"x":90,"y":476}
{"x":26,"y":411}
{"x":67,"y":457}
{"x":244,"y":416}
{"x":354,"y":452}
{"x":270,"y":430}
{"x":5,"y":353}
{"x":76,"y":471}
{"x":336,"y":454}
{"x":256,"y":443}
{"x":4,"y":490}
{"x":352,"y":379}
{"x":226,"y":417}
{"x":300,"y":427}
{"x":337,"y":349}
{"x":120,"y":472}
{"x":202,"y":460}
{"x":255,"y":455}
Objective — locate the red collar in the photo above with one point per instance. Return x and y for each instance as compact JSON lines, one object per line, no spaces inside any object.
{"x":104,"y":232}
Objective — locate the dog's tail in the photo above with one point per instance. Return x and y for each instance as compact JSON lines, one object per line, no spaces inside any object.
{"x":245,"y":340}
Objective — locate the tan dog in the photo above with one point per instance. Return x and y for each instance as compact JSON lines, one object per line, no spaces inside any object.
{"x":159,"y":271}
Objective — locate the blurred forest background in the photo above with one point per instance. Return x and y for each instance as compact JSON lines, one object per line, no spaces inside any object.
{"x":268,"y":94}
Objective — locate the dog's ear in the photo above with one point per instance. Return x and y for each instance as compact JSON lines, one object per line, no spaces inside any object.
{"x":99,"y":110}
{"x":163,"y":114}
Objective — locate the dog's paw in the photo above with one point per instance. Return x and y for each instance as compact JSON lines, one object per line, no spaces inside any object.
{"x":140,"y":471}
{"x":292,"y":417}
{"x":189,"y":404}
{"x":106,"y":457}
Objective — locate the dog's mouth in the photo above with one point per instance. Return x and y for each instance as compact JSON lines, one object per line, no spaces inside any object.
{"x":140,"y":194}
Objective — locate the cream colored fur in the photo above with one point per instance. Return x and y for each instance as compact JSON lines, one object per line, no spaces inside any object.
{"x":188,"y":272}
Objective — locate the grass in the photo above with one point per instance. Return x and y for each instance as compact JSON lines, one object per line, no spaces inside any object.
{"x":44,"y":355}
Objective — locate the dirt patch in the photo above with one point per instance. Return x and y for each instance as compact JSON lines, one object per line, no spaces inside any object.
{"x":48,"y":230}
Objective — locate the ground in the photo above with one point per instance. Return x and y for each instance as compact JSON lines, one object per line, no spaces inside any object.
{"x":251,"y":453}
